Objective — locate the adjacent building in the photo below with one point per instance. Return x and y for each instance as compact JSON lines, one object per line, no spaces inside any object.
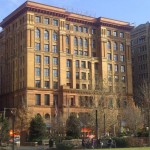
{"x":51,"y":58}
{"x":140,"y":54}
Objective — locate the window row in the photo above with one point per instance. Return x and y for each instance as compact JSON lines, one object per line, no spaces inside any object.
{"x":46,"y":100}
{"x":109,"y":57}
{"x":46,"y":20}
{"x":46,"y":34}
{"x":46,"y":84}
{"x":115,"y":46}
{"x":115,"y":33}
{"x":55,"y":22}
{"x":116,"y":78}
{"x":46,"y":47}
{"x":116,"y":68}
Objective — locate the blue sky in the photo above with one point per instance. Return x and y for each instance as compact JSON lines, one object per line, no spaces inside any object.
{"x":133,"y":11}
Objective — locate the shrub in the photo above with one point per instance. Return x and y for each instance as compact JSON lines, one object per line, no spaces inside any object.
{"x":62,"y":146}
{"x":121,"y":142}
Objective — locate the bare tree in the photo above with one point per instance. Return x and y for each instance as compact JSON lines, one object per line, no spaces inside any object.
{"x":133,"y":118}
{"x":142,"y":95}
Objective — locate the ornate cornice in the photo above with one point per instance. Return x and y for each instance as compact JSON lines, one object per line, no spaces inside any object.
{"x":62,"y":13}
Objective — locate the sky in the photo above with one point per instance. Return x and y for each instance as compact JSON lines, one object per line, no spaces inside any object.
{"x":133,"y":11}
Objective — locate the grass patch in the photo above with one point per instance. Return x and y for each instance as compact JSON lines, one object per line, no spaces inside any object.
{"x":135,"y":148}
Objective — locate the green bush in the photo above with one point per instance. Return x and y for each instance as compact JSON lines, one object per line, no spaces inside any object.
{"x":62,"y":146}
{"x":121,"y":142}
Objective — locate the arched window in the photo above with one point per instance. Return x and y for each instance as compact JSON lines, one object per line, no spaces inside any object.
{"x":46,"y":35}
{"x":80,"y":42}
{"x":121,"y":47}
{"x":75,"y":41}
{"x":54,"y":36}
{"x":108,"y":45}
{"x":85,"y":42}
{"x":115,"y":46}
{"x":37,"y":33}
{"x":67,"y":40}
{"x":47,"y":116}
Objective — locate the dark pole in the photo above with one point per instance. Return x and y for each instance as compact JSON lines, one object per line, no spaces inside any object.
{"x":13,"y":128}
{"x":104,"y":125}
{"x":96,"y":125}
{"x":148,"y":127}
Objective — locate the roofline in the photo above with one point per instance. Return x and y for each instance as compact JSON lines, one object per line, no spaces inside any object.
{"x":34,"y":6}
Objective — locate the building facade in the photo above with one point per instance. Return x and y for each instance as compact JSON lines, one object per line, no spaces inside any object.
{"x":52,"y":58}
{"x":140,"y":54}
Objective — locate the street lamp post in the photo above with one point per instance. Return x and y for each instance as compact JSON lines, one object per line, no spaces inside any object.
{"x":104,"y":124}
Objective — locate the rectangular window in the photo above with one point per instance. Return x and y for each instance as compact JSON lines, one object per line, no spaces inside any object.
{"x":109,"y":56}
{"x":55,"y":85}
{"x":116,"y":78}
{"x":55,"y":73}
{"x":116,"y":68}
{"x":67,"y":26}
{"x":80,"y":29}
{"x":109,"y":67}
{"x":37,"y":83}
{"x":46,"y":20}
{"x":77,"y":75}
{"x":68,"y":74}
{"x":46,"y":72}
{"x":121,"y":34}
{"x":83,"y":75}
{"x":38,"y":71}
{"x":54,"y":49}
{"x":75,"y":28}
{"x":55,"y":61}
{"x":37,"y":46}
{"x":123,"y":79}
{"x":55,"y":98}
{"x":93,"y":44}
{"x":37,"y":99}
{"x":77,"y":86}
{"x":115,"y":57}
{"x":96,"y":66}
{"x":115,"y":33}
{"x":80,"y":52}
{"x":46,"y":47}
{"x":77,"y":64}
{"x":37,"y":19}
{"x":46,"y":99}
{"x":46,"y":60}
{"x":55,"y":22}
{"x":85,"y":53}
{"x":122,"y":58}
{"x":85,"y":29}
{"x":68,"y":63}
{"x":108,"y":33}
{"x":76,"y":52}
{"x":46,"y":84}
{"x":83,"y":64}
{"x":122,"y":68}
{"x":93,"y":31}
{"x":67,"y":51}
{"x":38,"y":59}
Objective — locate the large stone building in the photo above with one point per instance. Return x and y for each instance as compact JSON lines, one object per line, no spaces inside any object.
{"x":51,"y":57}
{"x":140,"y":54}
